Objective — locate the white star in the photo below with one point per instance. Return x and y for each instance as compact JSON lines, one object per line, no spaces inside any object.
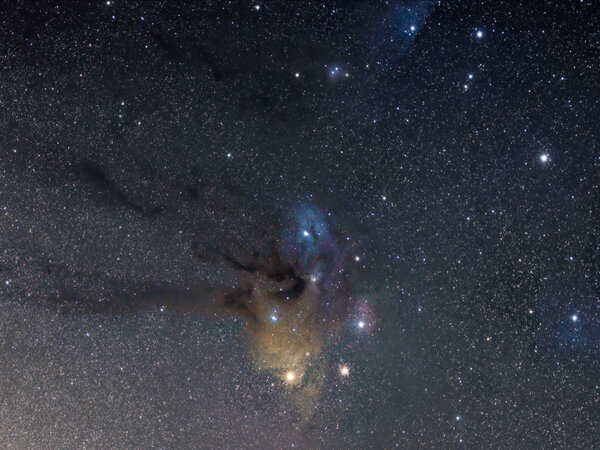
{"x":544,"y":157}
{"x":574,"y":318}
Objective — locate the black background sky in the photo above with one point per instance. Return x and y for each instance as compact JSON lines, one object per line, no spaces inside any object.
{"x":451,"y":147}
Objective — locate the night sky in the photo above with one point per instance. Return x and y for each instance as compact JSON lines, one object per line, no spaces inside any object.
{"x":277,"y":224}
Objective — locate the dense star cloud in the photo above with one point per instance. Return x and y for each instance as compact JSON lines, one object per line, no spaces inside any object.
{"x":299,"y":224}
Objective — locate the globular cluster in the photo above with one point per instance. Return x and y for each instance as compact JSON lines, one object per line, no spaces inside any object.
{"x":297,"y":224}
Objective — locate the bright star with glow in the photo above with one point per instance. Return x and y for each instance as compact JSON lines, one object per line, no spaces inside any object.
{"x":361,"y":324}
{"x":544,"y":157}
{"x":574,"y":318}
{"x":344,"y":371}
{"x":479,"y":34}
{"x":290,"y":377}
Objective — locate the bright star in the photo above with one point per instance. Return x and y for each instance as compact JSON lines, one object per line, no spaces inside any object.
{"x":290,"y":377}
{"x":361,"y":324}
{"x":479,"y":34}
{"x":574,"y":318}
{"x":544,"y":157}
{"x":344,"y":371}
{"x":305,"y":233}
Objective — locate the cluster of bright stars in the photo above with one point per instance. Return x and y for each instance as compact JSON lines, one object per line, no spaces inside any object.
{"x":291,"y":377}
{"x":574,"y":317}
{"x":336,"y":71}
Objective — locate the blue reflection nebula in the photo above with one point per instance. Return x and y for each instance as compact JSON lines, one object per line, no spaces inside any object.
{"x":309,"y":243}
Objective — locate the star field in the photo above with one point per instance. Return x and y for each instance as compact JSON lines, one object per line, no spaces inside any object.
{"x":279,"y":224}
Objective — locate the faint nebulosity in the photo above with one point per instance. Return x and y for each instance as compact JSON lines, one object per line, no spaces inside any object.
{"x":297,"y":224}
